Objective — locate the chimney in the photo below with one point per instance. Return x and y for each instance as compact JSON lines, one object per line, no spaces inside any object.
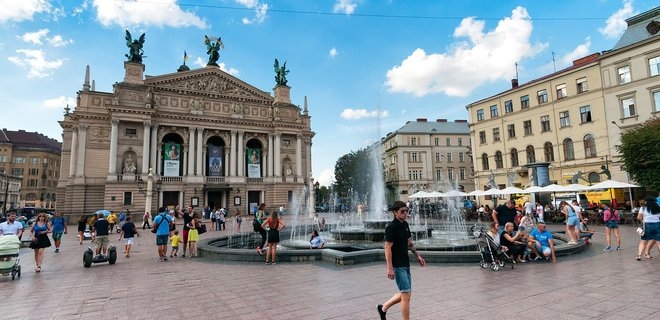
{"x":514,"y":83}
{"x":421,"y":119}
{"x":441,"y":120}
{"x":460,"y":121}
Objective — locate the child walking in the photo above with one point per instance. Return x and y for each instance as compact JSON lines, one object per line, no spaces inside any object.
{"x":175,"y":243}
{"x":128,"y":231}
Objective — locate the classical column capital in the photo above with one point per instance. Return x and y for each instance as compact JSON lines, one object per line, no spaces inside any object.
{"x":114,"y":121}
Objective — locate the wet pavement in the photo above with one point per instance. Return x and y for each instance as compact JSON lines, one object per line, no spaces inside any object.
{"x":591,"y":285}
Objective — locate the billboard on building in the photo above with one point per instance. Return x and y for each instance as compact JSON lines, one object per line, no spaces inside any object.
{"x":172,"y":157}
{"x":253,"y":163}
{"x":215,"y":161}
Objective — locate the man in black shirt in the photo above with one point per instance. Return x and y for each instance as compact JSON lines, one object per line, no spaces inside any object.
{"x":101,"y":229}
{"x":397,"y":242}
{"x":505,"y":213}
{"x":187,"y":219}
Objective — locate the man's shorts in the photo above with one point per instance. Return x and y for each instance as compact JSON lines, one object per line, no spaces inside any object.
{"x":101,"y":241}
{"x":57,"y":236}
{"x":129,"y":241}
{"x":546,"y":251}
{"x":184,"y":236}
{"x":403,"y":279}
{"x":161,"y":240}
{"x":572,"y":220}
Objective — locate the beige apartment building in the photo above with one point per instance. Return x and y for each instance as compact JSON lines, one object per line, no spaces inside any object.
{"x":209,"y":138}
{"x":571,"y":119}
{"x":557,"y":119}
{"x":31,"y":162}
{"x":427,"y":156}
{"x":631,"y":79}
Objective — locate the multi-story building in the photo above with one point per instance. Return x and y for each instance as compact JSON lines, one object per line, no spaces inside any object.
{"x":424,"y":155}
{"x":558,"y":119}
{"x":631,"y":79}
{"x":209,"y":138}
{"x":35,"y":159}
{"x":10,"y":189}
{"x":571,"y":119}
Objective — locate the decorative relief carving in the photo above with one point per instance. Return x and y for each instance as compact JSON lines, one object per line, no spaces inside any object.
{"x":196,"y":106}
{"x":133,"y":96}
{"x":96,"y":101}
{"x":97,"y":134}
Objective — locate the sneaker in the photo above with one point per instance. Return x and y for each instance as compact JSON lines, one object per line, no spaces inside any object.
{"x":608,"y":249}
{"x":618,"y":248}
{"x":171,"y":256}
{"x":572,"y":243}
{"x":164,"y":258}
{"x":381,"y":313}
{"x":537,"y":258}
{"x":57,"y":250}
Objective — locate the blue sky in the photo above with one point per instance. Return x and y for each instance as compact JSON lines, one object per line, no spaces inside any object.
{"x":366,"y":66}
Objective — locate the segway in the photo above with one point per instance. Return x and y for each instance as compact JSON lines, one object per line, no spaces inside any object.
{"x":89,"y":258}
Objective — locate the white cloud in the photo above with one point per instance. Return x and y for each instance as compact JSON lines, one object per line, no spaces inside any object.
{"x":261,"y":10}
{"x":581,"y":51}
{"x":333,"y":52}
{"x":616,"y":23}
{"x":37,"y":64}
{"x":14,"y":10}
{"x":345,"y":6}
{"x":38,"y":37}
{"x":202,"y":63}
{"x":326,"y":178}
{"x":34,"y":37}
{"x":356,"y":114}
{"x":145,"y":12}
{"x":60,"y":102}
{"x":483,"y":57}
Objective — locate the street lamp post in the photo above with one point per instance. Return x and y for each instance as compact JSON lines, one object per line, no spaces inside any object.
{"x":149,"y":191}
{"x":4,"y":202}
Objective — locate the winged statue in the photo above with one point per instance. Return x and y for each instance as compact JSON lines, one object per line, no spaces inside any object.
{"x":280,"y":73}
{"x":135,"y":52}
{"x":213,"y":49}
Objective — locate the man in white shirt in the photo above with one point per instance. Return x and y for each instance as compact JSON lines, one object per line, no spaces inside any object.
{"x":11,"y":226}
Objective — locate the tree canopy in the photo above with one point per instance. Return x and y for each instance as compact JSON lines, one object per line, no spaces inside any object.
{"x":639,"y":150}
{"x":354,"y":176}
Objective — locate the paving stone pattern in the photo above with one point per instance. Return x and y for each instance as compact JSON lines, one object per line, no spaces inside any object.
{"x":591,"y":285}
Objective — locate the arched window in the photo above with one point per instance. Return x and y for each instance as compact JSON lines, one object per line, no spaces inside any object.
{"x":569,"y":153}
{"x":531,"y":156}
{"x":589,"y":146}
{"x":548,"y":153}
{"x":484,"y":162}
{"x":30,"y":197}
{"x":499,"y":163}
{"x":514,"y":157}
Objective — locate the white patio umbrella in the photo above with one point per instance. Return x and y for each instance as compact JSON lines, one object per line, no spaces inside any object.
{"x":453,"y":193}
{"x":576,"y":187}
{"x":419,"y":194}
{"x":476,"y":193}
{"x":553,"y":188}
{"x":611,"y":184}
{"x":505,"y":191}
{"x":533,"y":189}
{"x":435,"y":194}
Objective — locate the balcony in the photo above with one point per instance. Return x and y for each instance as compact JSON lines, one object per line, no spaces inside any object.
{"x":214,"y":180}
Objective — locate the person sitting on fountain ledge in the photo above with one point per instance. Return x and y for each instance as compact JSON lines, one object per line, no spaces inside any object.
{"x":316,"y":242}
{"x":541,"y":243}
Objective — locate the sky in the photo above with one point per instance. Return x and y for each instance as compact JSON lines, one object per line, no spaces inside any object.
{"x":366,"y":66}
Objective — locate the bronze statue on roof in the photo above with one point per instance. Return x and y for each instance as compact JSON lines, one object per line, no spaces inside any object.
{"x":135,"y":53}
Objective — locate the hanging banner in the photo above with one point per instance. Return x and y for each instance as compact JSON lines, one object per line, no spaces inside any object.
{"x":253,"y":163}
{"x":215,"y":161}
{"x":172,"y":155}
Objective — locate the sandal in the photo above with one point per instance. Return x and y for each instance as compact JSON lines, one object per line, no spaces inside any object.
{"x":639,"y":257}
{"x":648,"y":256}
{"x":37,"y":269}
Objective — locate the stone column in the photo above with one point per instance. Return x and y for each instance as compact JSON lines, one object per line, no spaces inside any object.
{"x":82,"y":146}
{"x":277,"y":154}
{"x":159,"y":158}
{"x":190,"y":158}
{"x":112,"y":165}
{"x":241,"y":154}
{"x":73,"y":152}
{"x":199,"y":153}
{"x":226,"y":160}
{"x":232,"y":165}
{"x":187,"y":162}
{"x":270,"y":159}
{"x":308,"y":158}
{"x":299,"y":155}
{"x":155,"y":150}
{"x":145,"y":147}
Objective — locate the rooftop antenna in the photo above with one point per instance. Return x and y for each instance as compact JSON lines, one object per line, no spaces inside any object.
{"x":554,"y":66}
{"x":516,"y":70}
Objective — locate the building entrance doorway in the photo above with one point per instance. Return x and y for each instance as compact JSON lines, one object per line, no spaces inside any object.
{"x":215,"y":199}
{"x":170,"y":199}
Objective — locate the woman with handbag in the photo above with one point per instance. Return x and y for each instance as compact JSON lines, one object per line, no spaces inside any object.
{"x":649,"y":215}
{"x":39,"y":232}
{"x":274,"y":225}
{"x":193,"y":235}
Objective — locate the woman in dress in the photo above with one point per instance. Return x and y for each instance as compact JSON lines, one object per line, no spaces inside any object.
{"x":193,"y":235}
{"x":40,"y":241}
{"x":273,"y":225}
{"x":649,"y":214}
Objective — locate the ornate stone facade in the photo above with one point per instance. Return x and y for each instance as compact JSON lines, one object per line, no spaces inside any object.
{"x":195,"y":128}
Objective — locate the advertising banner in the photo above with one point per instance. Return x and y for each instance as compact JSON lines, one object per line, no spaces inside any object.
{"x":215,"y":161}
{"x":253,"y":163}
{"x":172,"y":156}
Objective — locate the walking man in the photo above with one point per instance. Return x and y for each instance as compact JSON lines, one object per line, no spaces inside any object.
{"x":162,"y":224}
{"x":397,"y":243}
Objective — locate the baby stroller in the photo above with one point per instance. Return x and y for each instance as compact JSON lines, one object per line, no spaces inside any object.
{"x":491,"y":253}
{"x":9,"y":261}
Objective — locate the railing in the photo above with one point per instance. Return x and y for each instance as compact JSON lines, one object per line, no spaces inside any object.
{"x":171,"y":179}
{"x":215,"y":180}
{"x":255,"y":180}
{"x":127,"y":177}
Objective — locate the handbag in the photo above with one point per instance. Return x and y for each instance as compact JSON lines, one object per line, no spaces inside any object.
{"x":201,"y":229}
{"x":256,"y":225}
{"x":640,"y":232}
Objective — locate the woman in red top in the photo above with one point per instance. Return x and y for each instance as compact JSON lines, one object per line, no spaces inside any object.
{"x":273,"y":225}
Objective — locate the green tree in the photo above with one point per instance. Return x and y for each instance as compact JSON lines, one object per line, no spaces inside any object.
{"x":353,"y":177}
{"x":639,"y":150}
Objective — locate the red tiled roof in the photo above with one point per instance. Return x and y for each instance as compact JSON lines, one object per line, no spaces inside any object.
{"x":22,"y":139}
